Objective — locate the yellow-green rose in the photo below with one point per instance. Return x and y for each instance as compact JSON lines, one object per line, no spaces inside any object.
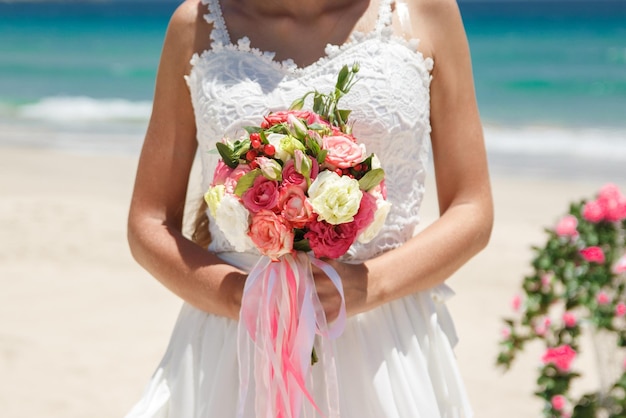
{"x":213,"y":197}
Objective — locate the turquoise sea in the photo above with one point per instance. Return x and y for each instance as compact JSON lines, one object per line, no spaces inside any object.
{"x":544,"y":70}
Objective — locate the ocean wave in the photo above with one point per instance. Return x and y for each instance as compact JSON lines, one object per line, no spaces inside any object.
{"x":80,"y":110}
{"x":560,"y":142}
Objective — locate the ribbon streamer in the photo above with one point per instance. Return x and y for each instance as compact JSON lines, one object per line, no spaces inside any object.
{"x":280,"y":315}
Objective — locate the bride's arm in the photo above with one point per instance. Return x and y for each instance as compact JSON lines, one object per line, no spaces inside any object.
{"x":461,"y":172}
{"x":156,"y":211}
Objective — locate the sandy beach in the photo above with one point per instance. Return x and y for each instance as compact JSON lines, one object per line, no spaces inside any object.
{"x":82,"y":327}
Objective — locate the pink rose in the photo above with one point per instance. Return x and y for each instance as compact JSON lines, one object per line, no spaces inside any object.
{"x":620,"y":310}
{"x":272,"y":234}
{"x":593,"y":212}
{"x":294,"y":206}
{"x":558,"y":402}
{"x":602,"y":298}
{"x":567,"y":227}
{"x":593,"y":254}
{"x":281,"y":117}
{"x":292,"y":177}
{"x":235,"y":174}
{"x":561,"y":357}
{"x":221,"y":173}
{"x":569,"y":319}
{"x":330,"y":241}
{"x":620,"y":266}
{"x":367,"y":209}
{"x":262,"y":195}
{"x":343,"y":152}
{"x":546,"y":279}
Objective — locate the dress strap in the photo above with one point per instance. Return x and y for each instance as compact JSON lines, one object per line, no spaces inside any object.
{"x":219,"y":34}
{"x":385,"y":16}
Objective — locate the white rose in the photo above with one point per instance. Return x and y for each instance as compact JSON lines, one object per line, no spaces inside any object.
{"x":275,"y":139}
{"x":335,"y":199}
{"x":382,"y":210}
{"x":233,"y":220}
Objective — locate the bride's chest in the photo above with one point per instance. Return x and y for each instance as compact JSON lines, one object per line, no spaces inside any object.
{"x":234,"y":86}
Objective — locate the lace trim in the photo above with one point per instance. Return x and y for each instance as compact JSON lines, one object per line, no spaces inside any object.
{"x":383,"y":29}
{"x":219,"y":33}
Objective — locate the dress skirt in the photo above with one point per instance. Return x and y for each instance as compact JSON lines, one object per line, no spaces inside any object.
{"x":395,"y":361}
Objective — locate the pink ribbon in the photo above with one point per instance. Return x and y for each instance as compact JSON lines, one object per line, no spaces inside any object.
{"x":280,"y":315}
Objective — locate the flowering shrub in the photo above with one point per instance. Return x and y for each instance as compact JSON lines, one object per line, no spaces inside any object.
{"x":578,"y":279}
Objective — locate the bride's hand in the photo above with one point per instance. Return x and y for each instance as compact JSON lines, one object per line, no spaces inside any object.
{"x":354,"y":278}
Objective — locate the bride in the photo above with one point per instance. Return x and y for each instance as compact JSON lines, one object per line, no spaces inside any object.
{"x":227,"y":63}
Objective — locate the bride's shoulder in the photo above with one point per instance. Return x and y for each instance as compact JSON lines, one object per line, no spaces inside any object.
{"x":439,"y":25}
{"x":188,"y":30}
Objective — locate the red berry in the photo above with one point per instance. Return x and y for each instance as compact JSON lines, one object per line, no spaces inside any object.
{"x":269,"y":150}
{"x":339,"y":171}
{"x":253,"y":164}
{"x":255,"y":136}
{"x":251,"y":155}
{"x":358,"y":167}
{"x":256,"y":143}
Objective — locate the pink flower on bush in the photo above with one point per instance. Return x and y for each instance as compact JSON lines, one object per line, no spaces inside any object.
{"x":506,"y":332}
{"x":593,"y":254}
{"x":567,"y":227}
{"x":602,"y":298}
{"x":593,"y":211}
{"x":263,"y":195}
{"x":516,"y":303}
{"x":561,"y":356}
{"x":620,"y":266}
{"x":558,"y":402}
{"x":343,"y":152}
{"x":612,"y":202}
{"x":620,"y":310}
{"x":542,"y":327}
{"x":272,"y":234}
{"x":332,"y":241}
{"x":569,"y":319}
{"x":294,"y":206}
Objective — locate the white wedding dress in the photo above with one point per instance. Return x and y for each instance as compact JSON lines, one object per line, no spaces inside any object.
{"x":395,"y":361}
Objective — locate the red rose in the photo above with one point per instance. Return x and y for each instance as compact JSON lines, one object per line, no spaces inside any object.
{"x":367,"y":209}
{"x":332,"y":241}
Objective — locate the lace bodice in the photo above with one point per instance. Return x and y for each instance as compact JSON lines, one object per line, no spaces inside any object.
{"x":233,"y":85}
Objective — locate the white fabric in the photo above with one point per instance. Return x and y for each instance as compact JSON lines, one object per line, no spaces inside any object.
{"x":393,"y":362}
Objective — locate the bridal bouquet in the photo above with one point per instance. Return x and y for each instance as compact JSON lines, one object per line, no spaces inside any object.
{"x":300,"y":182}
{"x":578,"y":282}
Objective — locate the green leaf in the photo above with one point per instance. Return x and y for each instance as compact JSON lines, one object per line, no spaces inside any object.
{"x":321,"y":156}
{"x":371,"y":179}
{"x":246,"y":181}
{"x":227,"y":154}
{"x":252,"y":129}
{"x":343,"y":115}
{"x":302,"y":245}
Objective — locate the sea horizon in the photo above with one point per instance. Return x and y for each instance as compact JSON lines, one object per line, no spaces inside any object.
{"x":550,"y":75}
